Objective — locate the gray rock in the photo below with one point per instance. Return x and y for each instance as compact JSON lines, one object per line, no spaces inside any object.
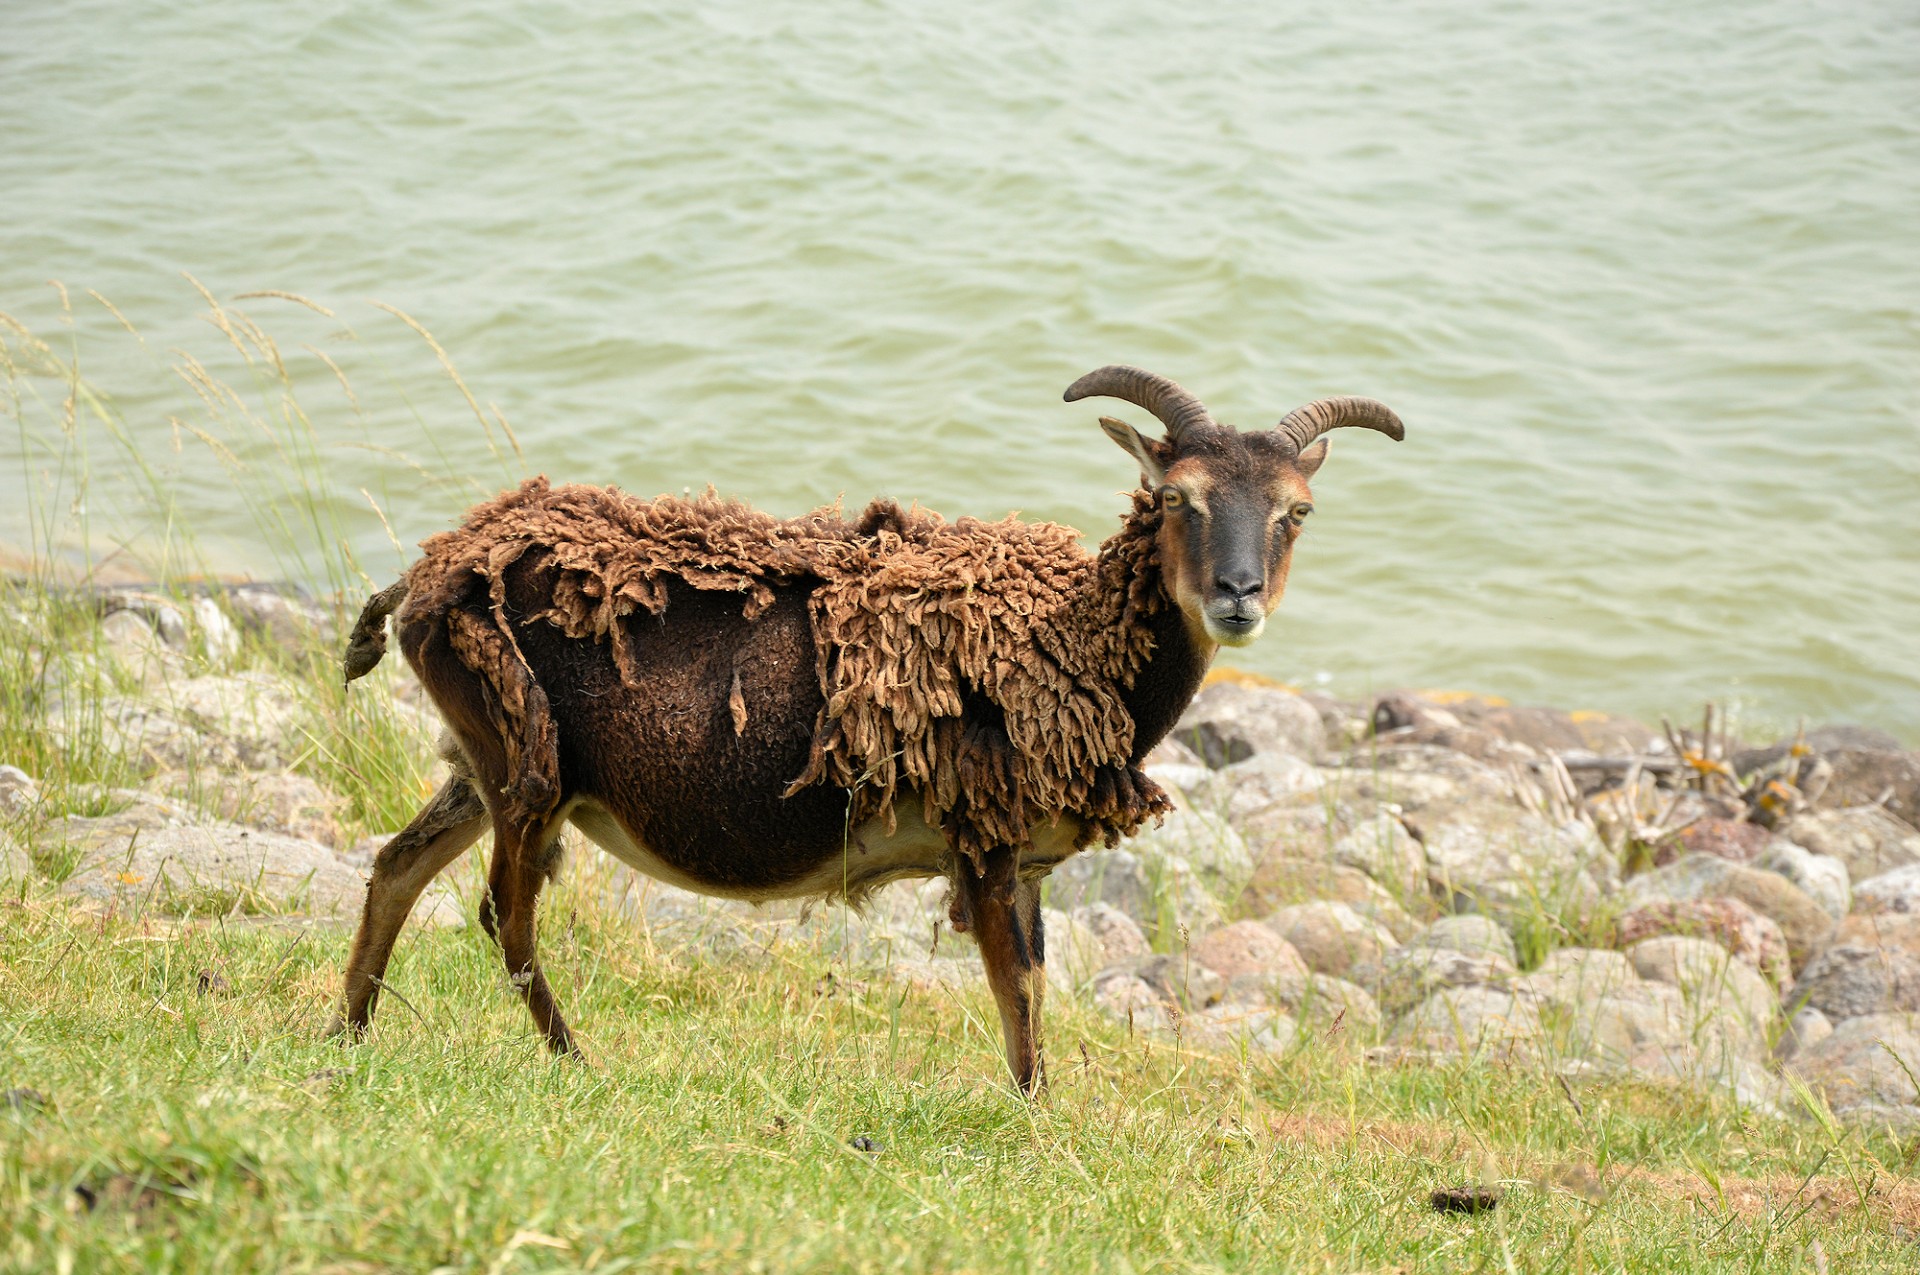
{"x":215,"y":867}
{"x":286,"y":619}
{"x":1895,"y":891}
{"x":1247,"y":947}
{"x":1229,"y":722}
{"x":1473,"y":1020}
{"x":1473,"y":935}
{"x":1823,"y":877}
{"x":256,"y":712}
{"x":1382,"y":848}
{"x":1177,"y":978}
{"x":1865,"y":838}
{"x":19,"y":791}
{"x":1330,"y":937}
{"x":1406,"y":976}
{"x":937,"y":973}
{"x":1203,"y":840}
{"x":1265,"y":786}
{"x":1123,"y":995}
{"x":219,"y":639}
{"x":1805,"y":923}
{"x":1231,"y":1028}
{"x":1714,"y":983}
{"x":1116,"y":878}
{"x":1320,"y":1003}
{"x":1279,"y":881}
{"x":1807,"y":1027}
{"x":1497,"y":859}
{"x":1870,"y":1059}
{"x":279,"y":801}
{"x":1571,"y":975}
{"x":15,"y":865}
{"x":1119,"y":936}
{"x":1872,"y":967}
{"x":1074,"y":951}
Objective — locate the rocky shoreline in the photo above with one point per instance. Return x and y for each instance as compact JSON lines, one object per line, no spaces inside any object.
{"x":1424,"y":878}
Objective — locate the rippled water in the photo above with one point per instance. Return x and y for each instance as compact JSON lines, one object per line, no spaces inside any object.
{"x":1642,"y":278}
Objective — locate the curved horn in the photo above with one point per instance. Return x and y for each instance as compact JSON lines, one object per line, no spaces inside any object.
{"x":1304,"y":424}
{"x":1177,"y":409}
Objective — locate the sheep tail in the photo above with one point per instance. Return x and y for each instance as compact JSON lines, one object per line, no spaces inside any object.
{"x":368,"y":641}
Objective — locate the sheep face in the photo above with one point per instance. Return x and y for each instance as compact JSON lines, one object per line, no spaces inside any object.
{"x":1231,"y":506}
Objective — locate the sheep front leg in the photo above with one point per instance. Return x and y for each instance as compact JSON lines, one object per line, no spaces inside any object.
{"x":1003,"y":913}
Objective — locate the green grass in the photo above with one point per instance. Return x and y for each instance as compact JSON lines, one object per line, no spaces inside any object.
{"x":219,"y":1130}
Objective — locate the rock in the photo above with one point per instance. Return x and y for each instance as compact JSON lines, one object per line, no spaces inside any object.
{"x":1473,"y":1020}
{"x":1117,"y":933}
{"x":1870,"y":1059}
{"x":1230,"y":1028}
{"x":1187,"y":784}
{"x":1330,"y":937}
{"x":1746,"y":934}
{"x":1490,"y":728}
{"x":1415,"y":777}
{"x":15,"y":865}
{"x":1116,"y":878}
{"x":162,"y":615}
{"x":1320,"y":1003}
{"x":1895,"y":891}
{"x":1205,"y":841}
{"x":1713,"y":982}
{"x":936,"y":973}
{"x":1278,"y":881}
{"x":1807,"y":1027}
{"x":1179,"y":979}
{"x":1171,"y":752}
{"x":1382,"y":848}
{"x":19,"y":792}
{"x":1247,"y":947}
{"x":1822,"y":877}
{"x":1867,"y":839}
{"x":214,"y":868}
{"x":1074,"y":952}
{"x":1872,"y":967}
{"x":1229,"y":722}
{"x":288,"y":620}
{"x":1863,"y":777}
{"x":1571,"y":975}
{"x":1121,"y":994}
{"x":1469,"y":934}
{"x":1742,"y":1077}
{"x":1698,"y":876}
{"x":1497,"y":859}
{"x":280,"y":801}
{"x":130,"y":641}
{"x":1407,"y":976}
{"x":255,"y":711}
{"x":1734,"y":840}
{"x":218,"y":636}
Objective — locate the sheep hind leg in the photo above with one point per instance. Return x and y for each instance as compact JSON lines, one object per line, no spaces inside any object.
{"x":1003,"y":912}
{"x":435,"y":837}
{"x":513,"y":889}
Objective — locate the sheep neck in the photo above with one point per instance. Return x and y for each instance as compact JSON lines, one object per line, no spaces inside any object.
{"x":1129,"y":597}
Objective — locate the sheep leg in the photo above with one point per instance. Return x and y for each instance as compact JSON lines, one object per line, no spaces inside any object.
{"x":514,"y":892}
{"x":438,"y":835}
{"x":1004,"y":915}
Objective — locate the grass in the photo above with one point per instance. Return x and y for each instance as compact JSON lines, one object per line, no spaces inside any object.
{"x":190,"y":1115}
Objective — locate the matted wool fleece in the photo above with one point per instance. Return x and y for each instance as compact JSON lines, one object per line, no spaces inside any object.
{"x":919,"y":626}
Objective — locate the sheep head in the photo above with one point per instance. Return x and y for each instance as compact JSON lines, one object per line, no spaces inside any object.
{"x":1231,"y":503}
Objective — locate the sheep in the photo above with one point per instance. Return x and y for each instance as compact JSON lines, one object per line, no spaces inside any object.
{"x":760,"y":708}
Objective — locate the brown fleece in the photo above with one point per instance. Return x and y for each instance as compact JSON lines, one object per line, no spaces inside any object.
{"x":979,"y":663}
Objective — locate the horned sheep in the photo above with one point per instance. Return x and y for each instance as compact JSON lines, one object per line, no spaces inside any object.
{"x":761,"y":708}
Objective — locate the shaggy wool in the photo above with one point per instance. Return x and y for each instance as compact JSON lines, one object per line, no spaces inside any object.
{"x":980,"y":664}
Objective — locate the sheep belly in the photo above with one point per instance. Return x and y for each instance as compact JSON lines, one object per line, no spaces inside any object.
{"x":869,"y":859}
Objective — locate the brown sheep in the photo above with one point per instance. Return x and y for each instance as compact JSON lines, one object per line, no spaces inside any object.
{"x":762,"y":708}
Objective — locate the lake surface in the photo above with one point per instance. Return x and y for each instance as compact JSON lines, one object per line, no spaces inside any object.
{"x":1642,"y":278}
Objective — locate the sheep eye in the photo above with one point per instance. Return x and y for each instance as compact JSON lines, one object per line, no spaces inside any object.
{"x":1171,"y":498}
{"x":1300,"y":511}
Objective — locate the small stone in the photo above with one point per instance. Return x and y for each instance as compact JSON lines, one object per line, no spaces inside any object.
{"x":1382,"y":848}
{"x":1474,"y":935}
{"x":1118,"y":934}
{"x":1872,"y":967}
{"x":218,"y":635}
{"x":865,"y":1143}
{"x":1869,"y":1059}
{"x":1210,"y":845}
{"x":1713,"y":981}
{"x":1895,"y":891}
{"x":1124,"y":996}
{"x":1248,"y":947}
{"x":1408,"y":975}
{"x":1473,"y":1020}
{"x":1734,"y":840}
{"x":1573,"y":974}
{"x":1330,"y":937}
{"x":1698,"y":876}
{"x":1867,"y":839}
{"x":1807,"y":1027}
{"x":1823,"y":877}
{"x":1180,"y":980}
{"x":1320,"y":1003}
{"x":19,"y":792}
{"x":1750,"y":937}
{"x":1228,"y":722}
{"x":1279,"y":881}
{"x":210,"y":983}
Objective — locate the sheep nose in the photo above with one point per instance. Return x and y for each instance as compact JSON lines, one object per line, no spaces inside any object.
{"x":1237,"y":584}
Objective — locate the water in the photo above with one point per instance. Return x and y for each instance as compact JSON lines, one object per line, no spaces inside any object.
{"x":1641,"y":278}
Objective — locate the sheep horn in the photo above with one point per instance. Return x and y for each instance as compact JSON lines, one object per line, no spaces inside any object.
{"x":1178,"y":410}
{"x":1304,"y":424}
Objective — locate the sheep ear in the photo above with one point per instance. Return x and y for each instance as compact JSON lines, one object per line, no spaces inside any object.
{"x":1309,"y":461}
{"x":1150,"y":455}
